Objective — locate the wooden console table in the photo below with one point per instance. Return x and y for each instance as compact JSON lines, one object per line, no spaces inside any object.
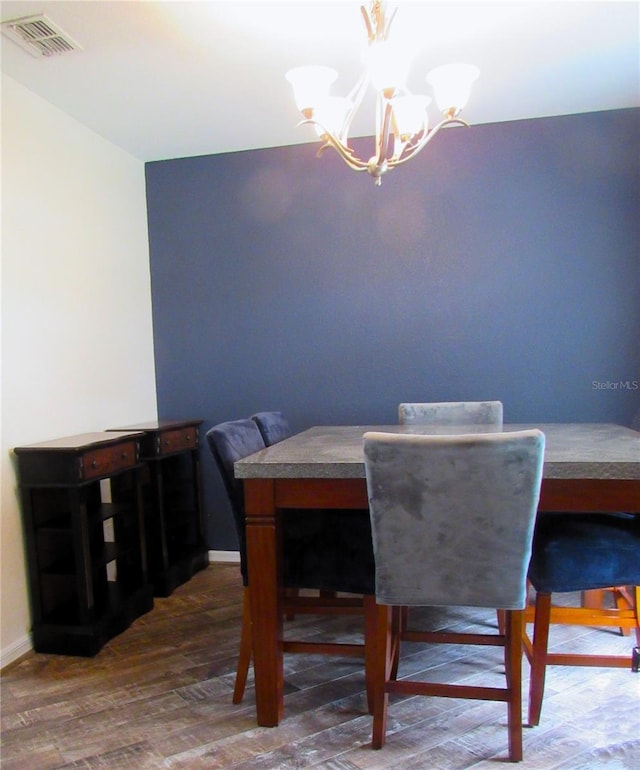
{"x":87,"y":564}
{"x":173,"y":510}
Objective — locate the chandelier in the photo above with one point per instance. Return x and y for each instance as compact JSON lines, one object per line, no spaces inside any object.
{"x":401,"y":120}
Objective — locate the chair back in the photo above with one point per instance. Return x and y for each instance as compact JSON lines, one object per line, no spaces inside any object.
{"x":451,"y":413}
{"x":228,"y":442}
{"x":452,"y":517}
{"x":273,"y":426}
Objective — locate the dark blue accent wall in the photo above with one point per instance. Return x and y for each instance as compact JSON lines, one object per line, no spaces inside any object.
{"x":503,"y":262}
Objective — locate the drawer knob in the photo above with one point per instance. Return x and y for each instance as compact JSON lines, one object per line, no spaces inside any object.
{"x":123,"y":456}
{"x":94,"y":463}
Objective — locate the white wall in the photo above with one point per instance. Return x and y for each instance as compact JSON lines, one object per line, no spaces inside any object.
{"x":77,"y":341}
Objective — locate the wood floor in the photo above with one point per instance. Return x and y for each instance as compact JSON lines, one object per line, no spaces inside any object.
{"x":159,"y":696}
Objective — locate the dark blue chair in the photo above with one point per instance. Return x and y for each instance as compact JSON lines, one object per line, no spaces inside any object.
{"x":581,"y":552}
{"x":334,"y":532}
{"x":327,"y":550}
{"x":273,"y":426}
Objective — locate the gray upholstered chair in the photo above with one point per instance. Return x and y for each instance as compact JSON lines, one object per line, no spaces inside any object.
{"x":451,"y":413}
{"x":487,"y":413}
{"x":452,"y":519}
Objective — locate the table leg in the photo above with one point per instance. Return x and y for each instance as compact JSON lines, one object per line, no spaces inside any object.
{"x":266,"y":610}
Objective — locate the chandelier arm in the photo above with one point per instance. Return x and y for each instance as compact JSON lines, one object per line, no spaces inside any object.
{"x":356,"y":95}
{"x":354,"y":163}
{"x":397,"y":142}
{"x":382,"y":138}
{"x":346,"y":153}
{"x":367,"y":23}
{"x":330,"y":140}
{"x":388,"y":23}
{"x":410,"y":152}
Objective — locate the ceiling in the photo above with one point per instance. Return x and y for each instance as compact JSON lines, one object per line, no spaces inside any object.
{"x":176,"y":79}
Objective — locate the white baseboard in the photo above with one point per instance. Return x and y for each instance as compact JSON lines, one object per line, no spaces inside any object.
{"x":14,"y":651}
{"x":225,"y":556}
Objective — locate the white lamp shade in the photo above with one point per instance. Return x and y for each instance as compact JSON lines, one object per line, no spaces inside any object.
{"x":410,"y":114}
{"x":311,"y":85}
{"x":452,"y":84}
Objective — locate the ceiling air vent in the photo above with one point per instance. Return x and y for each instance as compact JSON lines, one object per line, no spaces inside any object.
{"x":39,"y":36}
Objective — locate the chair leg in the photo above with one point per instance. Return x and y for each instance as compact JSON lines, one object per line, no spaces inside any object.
{"x":291,"y":593}
{"x":628,"y":598}
{"x":635,"y":654}
{"x":369,"y":603}
{"x":514,"y":626}
{"x":622,"y":601}
{"x":399,"y":618}
{"x":378,"y":653}
{"x":541,"y":621}
{"x":246,"y":645}
{"x":594,"y":599}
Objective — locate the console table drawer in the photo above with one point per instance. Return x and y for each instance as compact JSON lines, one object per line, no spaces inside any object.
{"x":169,"y":441}
{"x":108,"y":460}
{"x":76,"y":459}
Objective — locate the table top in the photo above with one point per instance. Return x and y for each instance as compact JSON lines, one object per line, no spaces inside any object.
{"x":573,"y":450}
{"x":80,"y":442}
{"x":156,"y":426}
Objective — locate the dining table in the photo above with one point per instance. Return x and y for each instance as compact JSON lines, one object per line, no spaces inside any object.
{"x":588,"y":467}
